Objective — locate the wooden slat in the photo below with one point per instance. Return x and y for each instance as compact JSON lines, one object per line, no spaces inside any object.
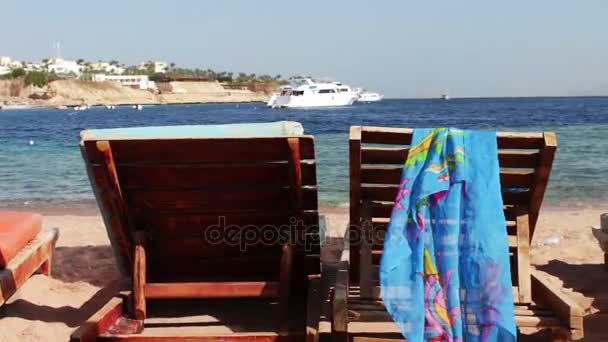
{"x":523,"y":256}
{"x":237,"y":245}
{"x":355,"y":197}
{"x":358,"y":304}
{"x":569,"y":312}
{"x":218,"y":201}
{"x":381,"y":315}
{"x":245,"y":268}
{"x":27,"y":262}
{"x":384,"y":155}
{"x":516,"y":140}
{"x":195,"y":225}
{"x":365,"y":252}
{"x":510,"y":178}
{"x":527,"y":159}
{"x":384,"y":209}
{"x":208,"y":175}
{"x":212,"y":290}
{"x":100,"y":322}
{"x":542,"y":177}
{"x":398,"y":155}
{"x":201,"y":150}
{"x":387,"y":193}
{"x":516,"y":178}
{"x":402,"y":136}
{"x":295,"y":179}
{"x":536,"y":321}
{"x":386,"y":135}
{"x":113,"y":203}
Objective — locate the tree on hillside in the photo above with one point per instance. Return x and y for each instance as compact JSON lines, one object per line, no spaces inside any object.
{"x":114,"y":62}
{"x":16,"y":73}
{"x":37,"y":78}
{"x":80,"y":61}
{"x":157,"y":77}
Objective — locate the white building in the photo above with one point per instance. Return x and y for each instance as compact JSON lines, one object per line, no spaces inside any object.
{"x":107,"y":68}
{"x":157,"y":66}
{"x":8,"y":62}
{"x":60,"y":66}
{"x":5,"y":70}
{"x":134,"y":81}
{"x":33,"y":67}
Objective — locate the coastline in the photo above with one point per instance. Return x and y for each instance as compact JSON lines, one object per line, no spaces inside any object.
{"x":68,"y":93}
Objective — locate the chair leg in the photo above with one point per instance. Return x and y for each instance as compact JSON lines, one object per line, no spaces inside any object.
{"x":284,"y":287}
{"x":139,"y":278}
{"x":46,"y":266}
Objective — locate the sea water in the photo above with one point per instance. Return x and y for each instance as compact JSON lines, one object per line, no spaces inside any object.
{"x":40,"y":161}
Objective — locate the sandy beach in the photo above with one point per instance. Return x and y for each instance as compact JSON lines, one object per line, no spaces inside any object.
{"x":85,"y":276}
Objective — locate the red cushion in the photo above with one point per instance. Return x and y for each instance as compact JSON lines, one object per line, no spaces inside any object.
{"x":16,"y":230}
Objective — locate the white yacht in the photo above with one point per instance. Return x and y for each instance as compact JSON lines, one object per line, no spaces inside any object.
{"x":273,"y":98}
{"x":305,"y":92}
{"x":366,"y":96}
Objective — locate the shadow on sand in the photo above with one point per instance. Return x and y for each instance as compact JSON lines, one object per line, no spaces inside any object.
{"x":588,"y":280}
{"x":92,"y":264}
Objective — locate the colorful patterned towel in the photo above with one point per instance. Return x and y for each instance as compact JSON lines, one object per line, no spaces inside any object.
{"x":445,"y":272}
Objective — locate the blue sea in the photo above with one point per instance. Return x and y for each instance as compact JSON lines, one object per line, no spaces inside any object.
{"x":41,"y":165}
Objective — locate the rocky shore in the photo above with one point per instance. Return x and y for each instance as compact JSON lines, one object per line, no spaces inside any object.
{"x":14,"y":95}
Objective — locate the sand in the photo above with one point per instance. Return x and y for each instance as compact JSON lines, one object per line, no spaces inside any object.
{"x":85,"y":277}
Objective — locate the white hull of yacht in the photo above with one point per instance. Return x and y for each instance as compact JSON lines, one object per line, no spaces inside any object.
{"x":272,"y":100}
{"x":315,"y":100}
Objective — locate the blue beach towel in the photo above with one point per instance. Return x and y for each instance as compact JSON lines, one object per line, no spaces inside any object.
{"x":445,"y":272}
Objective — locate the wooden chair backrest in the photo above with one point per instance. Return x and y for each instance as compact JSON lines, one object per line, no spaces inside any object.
{"x":377,"y":156}
{"x":185,"y":193}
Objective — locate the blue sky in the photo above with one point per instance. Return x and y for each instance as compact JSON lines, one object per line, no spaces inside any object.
{"x":402,"y":48}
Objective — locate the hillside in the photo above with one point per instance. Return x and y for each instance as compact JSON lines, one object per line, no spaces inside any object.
{"x":75,"y":92}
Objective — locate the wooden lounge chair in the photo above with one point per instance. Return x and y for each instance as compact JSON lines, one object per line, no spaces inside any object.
{"x":24,"y":249}
{"x":377,"y":155}
{"x":194,"y":212}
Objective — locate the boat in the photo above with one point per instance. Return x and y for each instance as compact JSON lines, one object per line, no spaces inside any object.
{"x":366,"y":96}
{"x":445,"y":96}
{"x":273,"y":98}
{"x":110,"y":107}
{"x":306,"y":93}
{"x":81,"y":107}
{"x":138,"y":107}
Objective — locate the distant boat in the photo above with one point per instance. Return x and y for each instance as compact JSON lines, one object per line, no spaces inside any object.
{"x":82,"y":107}
{"x":110,"y":107}
{"x":445,"y":96}
{"x":366,"y":96}
{"x":138,"y":107}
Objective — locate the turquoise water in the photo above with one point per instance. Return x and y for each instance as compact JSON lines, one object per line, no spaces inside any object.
{"x":51,"y":171}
